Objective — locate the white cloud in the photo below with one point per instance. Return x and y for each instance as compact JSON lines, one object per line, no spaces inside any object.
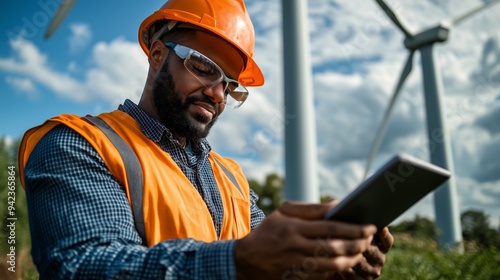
{"x":30,"y":62}
{"x":118,"y":72}
{"x":9,"y":140}
{"x":80,"y":36}
{"x":23,"y":84}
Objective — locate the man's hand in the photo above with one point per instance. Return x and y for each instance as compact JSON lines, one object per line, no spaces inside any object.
{"x":373,"y":259}
{"x":294,"y":242}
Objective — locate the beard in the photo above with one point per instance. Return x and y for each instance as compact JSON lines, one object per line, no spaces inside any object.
{"x":173,"y":112}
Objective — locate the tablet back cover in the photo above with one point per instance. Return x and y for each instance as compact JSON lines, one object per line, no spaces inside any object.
{"x":392,"y":190}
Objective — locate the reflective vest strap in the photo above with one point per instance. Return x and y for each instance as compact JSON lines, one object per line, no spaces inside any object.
{"x":229,"y":175}
{"x":133,"y":170}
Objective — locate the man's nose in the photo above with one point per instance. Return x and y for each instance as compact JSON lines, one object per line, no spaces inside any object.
{"x":216,"y":93}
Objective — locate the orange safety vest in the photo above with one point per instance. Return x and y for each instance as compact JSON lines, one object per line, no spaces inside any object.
{"x":172,"y":207}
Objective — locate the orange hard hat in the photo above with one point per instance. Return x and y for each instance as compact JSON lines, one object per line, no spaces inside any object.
{"x":228,"y":19}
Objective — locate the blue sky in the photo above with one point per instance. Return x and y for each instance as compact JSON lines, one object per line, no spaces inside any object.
{"x":31,"y":100}
{"x":93,"y":62}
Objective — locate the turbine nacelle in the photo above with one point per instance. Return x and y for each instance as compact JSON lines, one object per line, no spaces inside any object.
{"x":433,"y":35}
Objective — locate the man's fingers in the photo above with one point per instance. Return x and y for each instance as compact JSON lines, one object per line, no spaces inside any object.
{"x":304,"y":211}
{"x":322,"y":265}
{"x":311,"y":268}
{"x":384,"y":240}
{"x":351,"y":275}
{"x":314,"y":225}
{"x":327,"y":229}
{"x":327,"y":248}
{"x":366,"y":271}
{"x":375,"y":256}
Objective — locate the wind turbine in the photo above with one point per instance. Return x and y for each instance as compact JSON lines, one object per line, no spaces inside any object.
{"x":59,"y":17}
{"x":445,"y":198}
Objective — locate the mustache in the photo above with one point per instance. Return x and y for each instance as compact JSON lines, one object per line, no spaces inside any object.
{"x":201,"y":98}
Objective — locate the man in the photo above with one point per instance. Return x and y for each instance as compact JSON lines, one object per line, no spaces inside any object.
{"x":197,"y":218}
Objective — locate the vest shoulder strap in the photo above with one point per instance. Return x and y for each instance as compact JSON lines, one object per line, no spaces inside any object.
{"x":229,"y":175}
{"x":133,"y":170}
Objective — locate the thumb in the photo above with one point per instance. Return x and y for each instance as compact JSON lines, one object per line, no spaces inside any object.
{"x":307,"y":211}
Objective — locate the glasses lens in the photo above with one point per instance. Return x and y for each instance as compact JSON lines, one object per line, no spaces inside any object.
{"x":236,"y":95}
{"x":203,"y":68}
{"x":210,"y":74}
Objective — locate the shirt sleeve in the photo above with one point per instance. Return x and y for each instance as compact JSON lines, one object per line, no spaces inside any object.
{"x":256,"y":214}
{"x":82,"y":226}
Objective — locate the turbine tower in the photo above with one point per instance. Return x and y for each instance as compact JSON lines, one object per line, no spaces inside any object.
{"x":301,"y":182}
{"x":445,"y":198}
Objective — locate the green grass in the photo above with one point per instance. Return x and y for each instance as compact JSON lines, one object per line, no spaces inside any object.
{"x":419,"y":259}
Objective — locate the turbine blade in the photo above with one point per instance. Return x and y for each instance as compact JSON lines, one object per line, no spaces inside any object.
{"x":459,"y":19}
{"x":394,"y":18}
{"x":58,"y":17}
{"x":380,"y":133}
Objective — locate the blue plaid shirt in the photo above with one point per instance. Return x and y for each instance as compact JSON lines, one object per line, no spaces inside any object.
{"x":81,"y":223}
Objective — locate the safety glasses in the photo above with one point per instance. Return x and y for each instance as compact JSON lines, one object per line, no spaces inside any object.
{"x":210,"y":74}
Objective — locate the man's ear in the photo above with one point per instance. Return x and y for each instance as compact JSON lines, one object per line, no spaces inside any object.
{"x":157,"y":54}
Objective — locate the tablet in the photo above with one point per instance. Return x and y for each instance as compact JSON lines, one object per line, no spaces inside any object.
{"x":392,"y":190}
